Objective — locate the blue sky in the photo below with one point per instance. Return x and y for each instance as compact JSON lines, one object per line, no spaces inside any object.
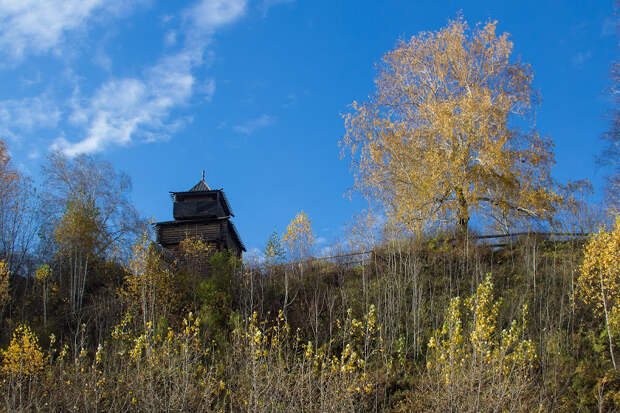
{"x":253,"y":91}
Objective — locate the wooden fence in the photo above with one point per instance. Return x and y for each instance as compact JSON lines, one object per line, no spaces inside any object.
{"x":359,"y":257}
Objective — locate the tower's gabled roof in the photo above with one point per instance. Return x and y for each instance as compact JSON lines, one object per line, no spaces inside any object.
{"x":200,"y":187}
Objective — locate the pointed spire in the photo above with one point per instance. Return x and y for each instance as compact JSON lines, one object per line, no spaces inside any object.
{"x":201,"y":186}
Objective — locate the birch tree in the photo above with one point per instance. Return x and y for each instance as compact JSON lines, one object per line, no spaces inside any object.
{"x":18,"y":214}
{"x":599,"y":281}
{"x":299,"y":241}
{"x":299,"y":237}
{"x":87,"y":210}
{"x":449,"y":130}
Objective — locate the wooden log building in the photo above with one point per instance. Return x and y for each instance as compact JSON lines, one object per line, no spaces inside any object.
{"x":200,"y":212}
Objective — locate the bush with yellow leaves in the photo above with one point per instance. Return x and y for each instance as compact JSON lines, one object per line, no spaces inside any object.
{"x":598,"y":287}
{"x":474,"y":367}
{"x":151,"y":286}
{"x":275,"y":370}
{"x":138,"y":371}
{"x":23,"y":357}
{"x":599,"y":281}
{"x":22,"y":366}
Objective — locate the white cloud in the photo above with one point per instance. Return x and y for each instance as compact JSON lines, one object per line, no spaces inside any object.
{"x":171,"y":38}
{"x":39,"y":26}
{"x":207,"y":89}
{"x":250,"y":126}
{"x":27,"y":115}
{"x":124,"y":108}
{"x":210,"y":14}
{"x":30,"y":81}
{"x":265,"y":5}
{"x":121,"y":110}
{"x":103,"y":60}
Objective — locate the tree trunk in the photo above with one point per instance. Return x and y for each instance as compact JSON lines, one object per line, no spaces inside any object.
{"x":45,"y":304}
{"x":462,"y":215}
{"x":285,"y":293}
{"x":611,"y":342}
{"x":83,"y":286}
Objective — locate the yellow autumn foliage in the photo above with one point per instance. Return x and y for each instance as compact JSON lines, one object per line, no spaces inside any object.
{"x":43,"y":273}
{"x":599,"y":279}
{"x":23,"y":357}
{"x":150,"y":283}
{"x":473,"y":363}
{"x":79,"y":227}
{"x":195,"y":247}
{"x":299,"y":237}
{"x":280,"y":369}
{"x":438,"y":138}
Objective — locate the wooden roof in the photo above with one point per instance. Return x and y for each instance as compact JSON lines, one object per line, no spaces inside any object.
{"x":196,"y":194}
{"x":200,"y":187}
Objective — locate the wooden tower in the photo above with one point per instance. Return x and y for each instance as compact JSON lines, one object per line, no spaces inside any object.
{"x":200,"y":212}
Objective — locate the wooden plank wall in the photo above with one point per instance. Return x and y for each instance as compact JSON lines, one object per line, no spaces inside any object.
{"x":177,"y":233}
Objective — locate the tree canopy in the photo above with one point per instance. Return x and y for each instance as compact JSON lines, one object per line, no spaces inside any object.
{"x":450,"y":130}
{"x":86,"y":197}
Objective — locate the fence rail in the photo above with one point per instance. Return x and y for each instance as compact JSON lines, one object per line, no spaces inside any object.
{"x":475,"y":237}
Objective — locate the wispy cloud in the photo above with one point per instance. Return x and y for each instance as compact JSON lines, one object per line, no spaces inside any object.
{"x":123,"y":108}
{"x":102,"y":60}
{"x":250,"y":126}
{"x":128,"y":108}
{"x":27,"y":115}
{"x":207,"y":89}
{"x":33,"y":80}
{"x":39,"y":26}
{"x":209,"y":15}
{"x":171,"y":38}
{"x":265,"y":5}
